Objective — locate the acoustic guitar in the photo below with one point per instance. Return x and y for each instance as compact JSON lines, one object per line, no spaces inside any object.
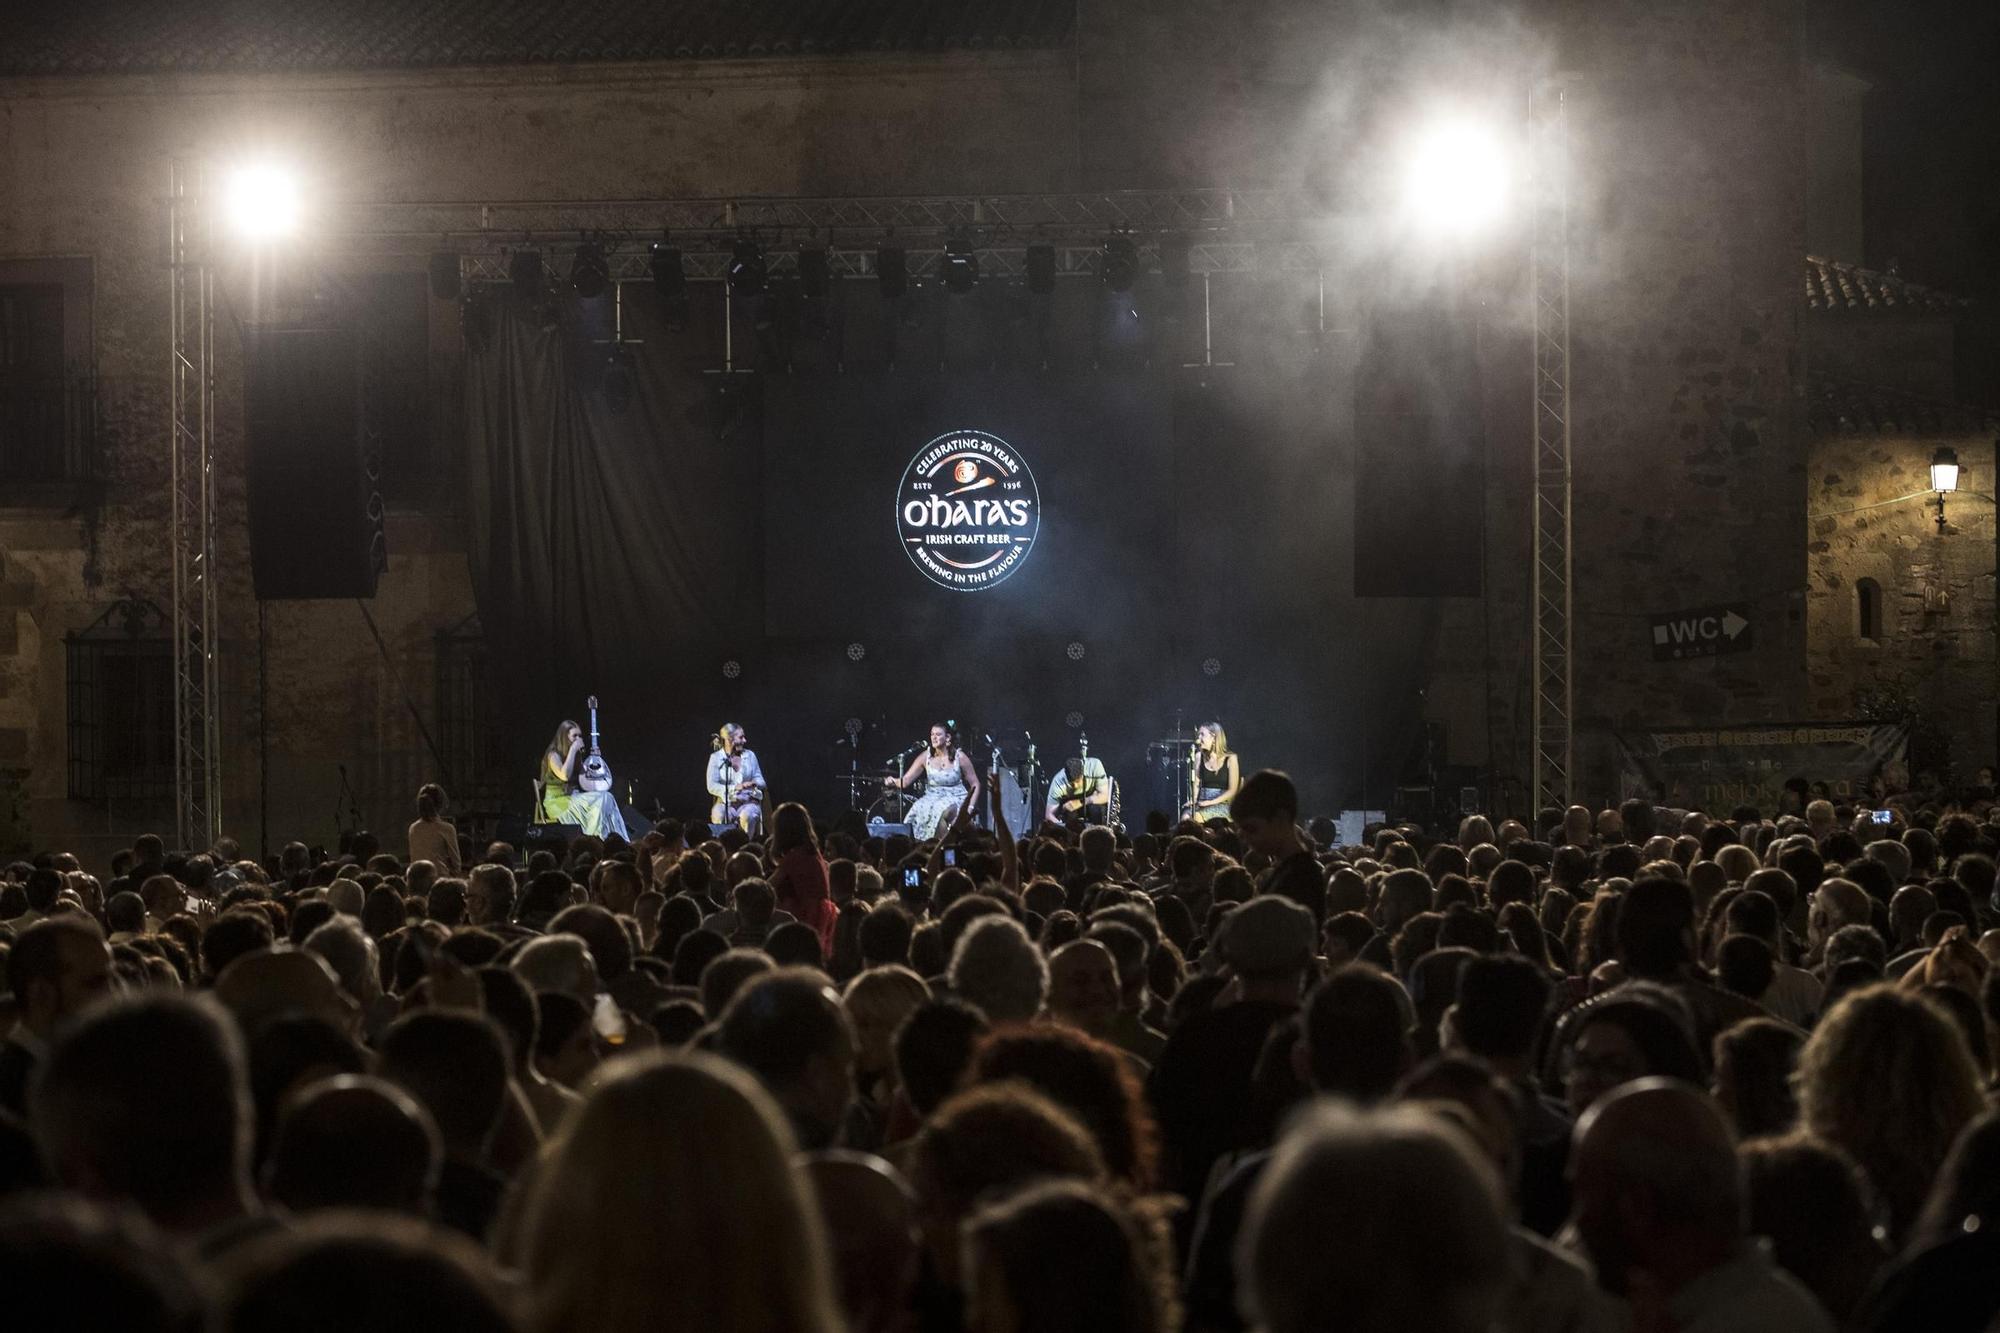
{"x":595,"y":774}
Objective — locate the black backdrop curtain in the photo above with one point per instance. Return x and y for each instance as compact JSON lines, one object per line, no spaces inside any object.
{"x":613,"y":537}
{"x":625,"y":553}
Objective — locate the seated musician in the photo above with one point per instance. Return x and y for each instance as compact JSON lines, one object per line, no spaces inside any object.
{"x":1081,"y":792}
{"x":563,"y":802}
{"x":735,"y":781}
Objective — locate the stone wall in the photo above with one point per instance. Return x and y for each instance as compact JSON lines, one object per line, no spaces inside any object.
{"x":1689,"y":226}
{"x":1689,"y":163}
{"x":83,"y":172}
{"x":1873,"y":518}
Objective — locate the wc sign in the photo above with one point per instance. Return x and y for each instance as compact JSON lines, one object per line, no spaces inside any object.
{"x":1708,"y":632}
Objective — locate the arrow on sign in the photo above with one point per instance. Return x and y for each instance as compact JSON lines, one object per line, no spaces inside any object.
{"x":1708,"y":631}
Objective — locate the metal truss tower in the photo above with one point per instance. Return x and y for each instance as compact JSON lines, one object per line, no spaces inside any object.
{"x":1554,"y":609}
{"x":191,"y":282}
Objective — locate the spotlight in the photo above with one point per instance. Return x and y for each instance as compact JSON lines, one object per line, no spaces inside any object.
{"x":524,"y":270}
{"x":617,"y":382}
{"x":444,"y":277}
{"x":589,"y":272}
{"x":1121,"y":263}
{"x":812,"y":273}
{"x":670,"y":285}
{"x":261,"y":201}
{"x":747,"y":271}
{"x":892,"y":271}
{"x":1455,"y":177}
{"x":961,"y":265}
{"x":1041,"y":260}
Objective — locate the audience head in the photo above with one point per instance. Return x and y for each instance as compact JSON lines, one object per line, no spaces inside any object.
{"x":455,"y":1065}
{"x":1637,"y":1031}
{"x":1657,"y":1190}
{"x":1062,"y":1257}
{"x":57,"y":968}
{"x":1356,"y":1037}
{"x":997,"y":969}
{"x":147,"y":1100}
{"x":601,"y":1253}
{"x":353,"y":1141}
{"x":339,"y":1272}
{"x":1422,"y":1240}
{"x":788,"y":1028}
{"x":1887,"y":1076}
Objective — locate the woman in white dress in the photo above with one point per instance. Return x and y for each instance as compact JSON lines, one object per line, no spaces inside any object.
{"x":950,"y":782}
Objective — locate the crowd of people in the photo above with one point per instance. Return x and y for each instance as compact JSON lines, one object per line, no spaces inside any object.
{"x":1639,"y":1069}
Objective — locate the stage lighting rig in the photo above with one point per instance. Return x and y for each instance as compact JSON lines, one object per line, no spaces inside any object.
{"x":1121,"y":263}
{"x":589,"y":271}
{"x":961,"y":264}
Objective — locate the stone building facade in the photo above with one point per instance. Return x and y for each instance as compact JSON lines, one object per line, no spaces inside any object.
{"x":1696,"y":471}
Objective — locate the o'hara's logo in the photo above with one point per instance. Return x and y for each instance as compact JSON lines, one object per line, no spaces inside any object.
{"x":967,"y":510}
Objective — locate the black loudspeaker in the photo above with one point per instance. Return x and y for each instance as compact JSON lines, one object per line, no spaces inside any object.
{"x":314,"y":464}
{"x":1419,"y":485}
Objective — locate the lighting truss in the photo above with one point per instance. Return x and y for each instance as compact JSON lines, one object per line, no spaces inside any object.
{"x":1553,"y":632}
{"x":197,"y":713}
{"x":1223,"y":231}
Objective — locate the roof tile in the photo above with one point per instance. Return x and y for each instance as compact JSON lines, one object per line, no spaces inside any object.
{"x":1834,"y":286}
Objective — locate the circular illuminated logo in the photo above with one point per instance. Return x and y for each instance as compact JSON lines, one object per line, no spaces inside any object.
{"x":967,"y":510}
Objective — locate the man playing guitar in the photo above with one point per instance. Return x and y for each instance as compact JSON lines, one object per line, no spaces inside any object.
{"x":736,"y":781}
{"x":1081,"y":792}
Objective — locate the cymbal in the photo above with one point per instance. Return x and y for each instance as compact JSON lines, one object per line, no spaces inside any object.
{"x":1171,"y":740}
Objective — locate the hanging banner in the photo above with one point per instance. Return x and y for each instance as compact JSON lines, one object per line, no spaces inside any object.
{"x":1718,"y":769}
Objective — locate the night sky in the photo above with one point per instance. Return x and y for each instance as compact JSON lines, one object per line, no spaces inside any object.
{"x":1932,"y":166}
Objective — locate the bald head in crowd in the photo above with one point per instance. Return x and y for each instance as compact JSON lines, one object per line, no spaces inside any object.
{"x":1661,"y":1206}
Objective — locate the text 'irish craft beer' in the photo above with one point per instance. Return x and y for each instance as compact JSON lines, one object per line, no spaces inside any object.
{"x":967,"y":510}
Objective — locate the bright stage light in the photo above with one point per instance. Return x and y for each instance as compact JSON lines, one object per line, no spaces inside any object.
{"x":1456,"y":176}
{"x":262,"y":201}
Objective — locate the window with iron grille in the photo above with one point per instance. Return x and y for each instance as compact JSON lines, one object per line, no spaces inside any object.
{"x":120,"y":708}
